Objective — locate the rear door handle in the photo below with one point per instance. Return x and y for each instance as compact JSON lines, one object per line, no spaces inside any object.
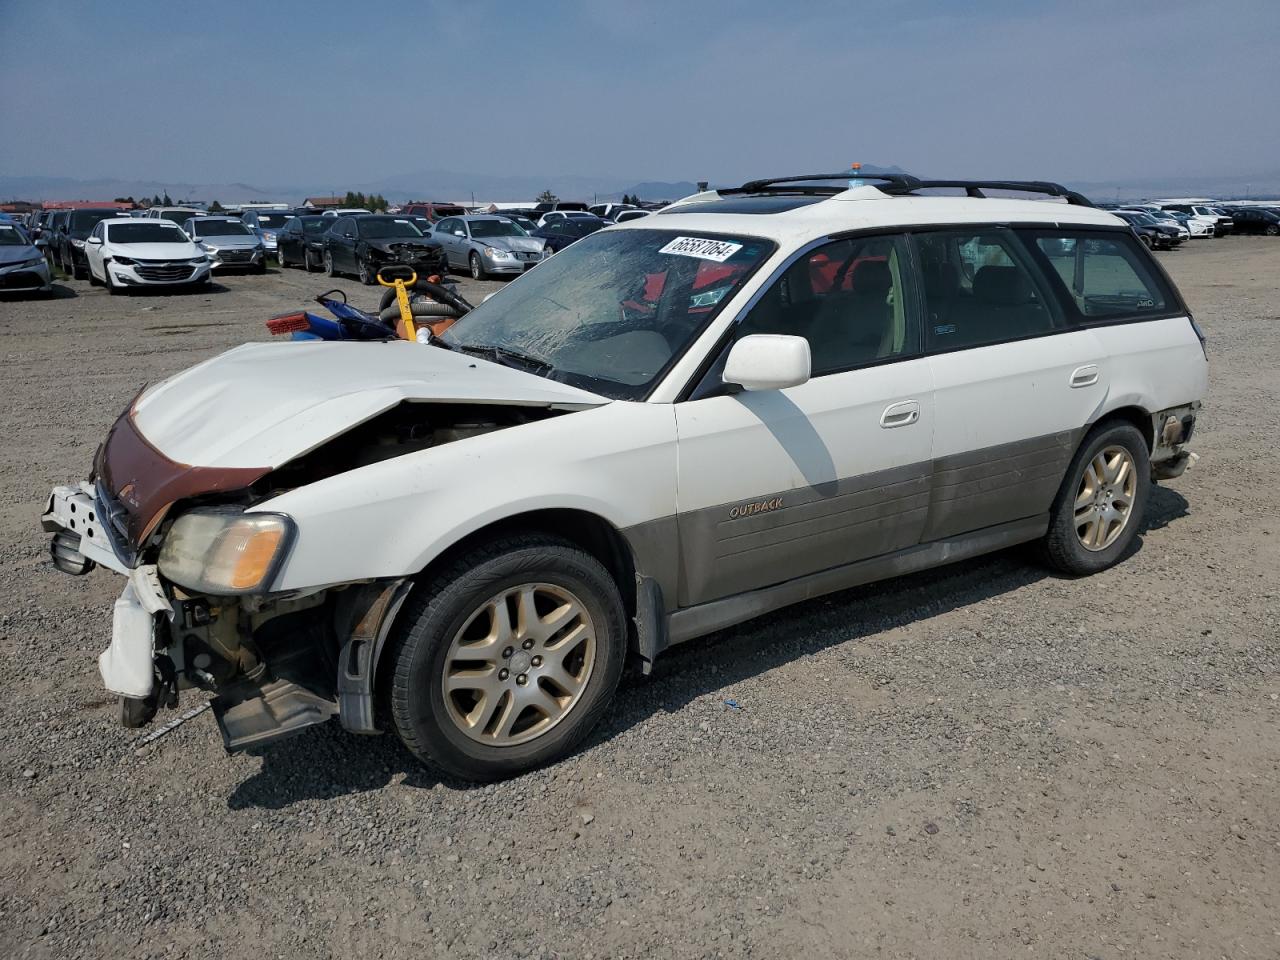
{"x":1085,"y":376}
{"x":901,"y":414}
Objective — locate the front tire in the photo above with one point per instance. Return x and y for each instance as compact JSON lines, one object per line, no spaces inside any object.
{"x":1102,"y":501}
{"x":1272,"y":230}
{"x":507,"y":658}
{"x":328,"y":264}
{"x":367,"y":275}
{"x":280,"y":257}
{"x":478,"y":271}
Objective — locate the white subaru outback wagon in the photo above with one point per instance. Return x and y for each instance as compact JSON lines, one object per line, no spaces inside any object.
{"x":756,"y":396}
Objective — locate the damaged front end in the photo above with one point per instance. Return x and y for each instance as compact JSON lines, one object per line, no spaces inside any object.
{"x":201,"y":550}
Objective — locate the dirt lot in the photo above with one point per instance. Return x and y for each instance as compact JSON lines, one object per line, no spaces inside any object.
{"x":982,"y":761}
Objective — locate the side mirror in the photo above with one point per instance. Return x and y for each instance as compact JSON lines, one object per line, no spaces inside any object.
{"x":459,"y":233}
{"x":41,"y":243}
{"x":95,"y":240}
{"x":768,"y":361}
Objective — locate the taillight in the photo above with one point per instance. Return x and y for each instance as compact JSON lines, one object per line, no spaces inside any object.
{"x":1199,"y":336}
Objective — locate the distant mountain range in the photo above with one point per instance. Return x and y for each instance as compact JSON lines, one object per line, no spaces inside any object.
{"x":462,"y":186}
{"x":424,"y":185}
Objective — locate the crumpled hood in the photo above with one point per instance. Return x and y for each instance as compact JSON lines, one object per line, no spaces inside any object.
{"x":264,"y":404}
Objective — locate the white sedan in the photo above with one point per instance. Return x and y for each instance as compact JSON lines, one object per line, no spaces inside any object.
{"x":124,"y":252}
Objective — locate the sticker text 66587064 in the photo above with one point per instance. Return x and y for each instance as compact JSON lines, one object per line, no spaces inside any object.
{"x":717,"y":250}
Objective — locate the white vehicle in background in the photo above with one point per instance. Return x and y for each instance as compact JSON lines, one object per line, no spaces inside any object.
{"x":609,"y":211}
{"x":346,"y":212}
{"x":125,"y":253}
{"x":755,"y":397}
{"x":176,"y":214}
{"x":1201,"y":225}
{"x":1222,"y":223}
{"x":623,"y":216}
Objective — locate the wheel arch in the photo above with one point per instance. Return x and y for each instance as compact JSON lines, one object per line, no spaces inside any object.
{"x":589,"y":531}
{"x":1131,"y":413}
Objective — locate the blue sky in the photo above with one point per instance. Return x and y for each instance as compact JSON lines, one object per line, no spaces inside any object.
{"x":279,"y":92}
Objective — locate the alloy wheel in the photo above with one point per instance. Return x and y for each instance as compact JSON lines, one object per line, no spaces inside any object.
{"x":1104,"y":500}
{"x":476,"y":269}
{"x":519,"y":665}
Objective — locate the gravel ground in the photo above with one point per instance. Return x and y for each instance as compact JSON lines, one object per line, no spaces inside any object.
{"x":981,"y":761}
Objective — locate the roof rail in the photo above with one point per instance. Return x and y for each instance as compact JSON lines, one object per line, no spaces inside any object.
{"x":797,"y":184}
{"x":900,"y":184}
{"x":974,"y":188}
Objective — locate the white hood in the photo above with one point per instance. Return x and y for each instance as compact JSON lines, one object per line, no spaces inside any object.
{"x":157,"y":251}
{"x":264,"y":404}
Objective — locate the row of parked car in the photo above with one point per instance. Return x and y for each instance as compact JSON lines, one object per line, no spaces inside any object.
{"x":1163,"y":226}
{"x":122,"y":249}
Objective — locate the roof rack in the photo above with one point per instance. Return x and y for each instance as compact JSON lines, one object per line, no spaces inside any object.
{"x":809,"y":183}
{"x":975,"y":188}
{"x":901,"y":184}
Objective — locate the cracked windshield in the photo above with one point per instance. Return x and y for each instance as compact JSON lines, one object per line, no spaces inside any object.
{"x":612,"y":311}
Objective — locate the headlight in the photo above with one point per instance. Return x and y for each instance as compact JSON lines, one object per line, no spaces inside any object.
{"x":222,"y":550}
{"x":125,"y":261}
{"x":208,"y":249}
{"x":78,"y":244}
{"x":33,"y":262}
{"x":196,"y":261}
{"x":268,"y":236}
{"x":497,"y":254}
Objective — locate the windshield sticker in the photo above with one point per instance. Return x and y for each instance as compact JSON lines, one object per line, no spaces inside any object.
{"x":717,"y":250}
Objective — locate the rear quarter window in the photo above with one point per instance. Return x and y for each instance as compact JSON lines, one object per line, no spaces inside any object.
{"x":1107,"y":276}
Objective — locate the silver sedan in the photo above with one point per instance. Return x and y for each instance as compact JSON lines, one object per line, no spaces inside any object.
{"x":487,"y":245}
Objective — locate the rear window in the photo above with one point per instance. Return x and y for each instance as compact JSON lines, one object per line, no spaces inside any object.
{"x":1107,"y":276}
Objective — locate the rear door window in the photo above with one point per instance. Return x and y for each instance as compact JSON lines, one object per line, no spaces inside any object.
{"x":981,"y":287}
{"x":1107,"y":276}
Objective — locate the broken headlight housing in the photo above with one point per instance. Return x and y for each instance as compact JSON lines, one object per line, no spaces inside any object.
{"x":223,"y":550}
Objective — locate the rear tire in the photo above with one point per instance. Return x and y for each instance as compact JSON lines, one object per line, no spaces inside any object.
{"x":1272,"y":230}
{"x":1102,"y":501}
{"x":532,"y":719}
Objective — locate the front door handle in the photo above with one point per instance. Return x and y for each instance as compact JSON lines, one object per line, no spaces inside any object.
{"x":901,"y":414}
{"x":1085,"y":376}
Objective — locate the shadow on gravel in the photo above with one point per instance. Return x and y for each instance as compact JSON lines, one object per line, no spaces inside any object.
{"x":325,"y":762}
{"x":60,"y":291}
{"x":145,"y":293}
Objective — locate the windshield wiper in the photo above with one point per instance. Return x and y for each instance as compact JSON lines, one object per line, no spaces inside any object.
{"x":508,"y":358}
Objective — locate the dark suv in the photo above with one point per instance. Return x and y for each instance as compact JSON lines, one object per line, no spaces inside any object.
{"x":71,"y":239}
